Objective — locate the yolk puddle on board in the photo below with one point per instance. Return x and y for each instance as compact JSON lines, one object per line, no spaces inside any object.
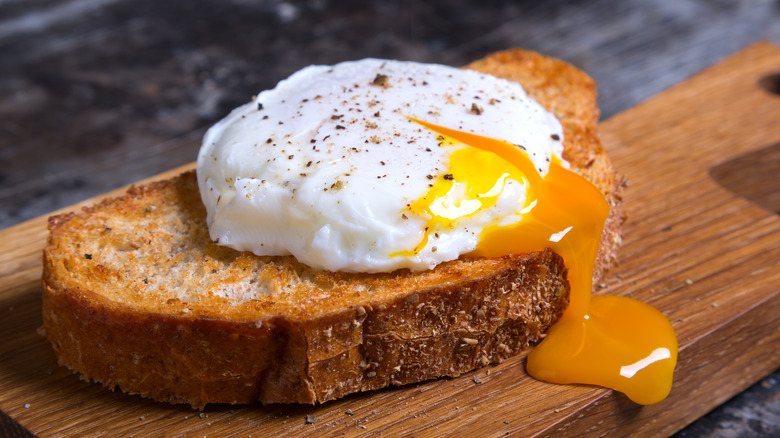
{"x":611,"y":341}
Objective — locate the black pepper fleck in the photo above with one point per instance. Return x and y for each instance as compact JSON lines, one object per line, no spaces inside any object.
{"x":380,"y":80}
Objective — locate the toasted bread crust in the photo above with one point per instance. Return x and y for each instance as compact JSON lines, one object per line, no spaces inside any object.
{"x":137,"y":296}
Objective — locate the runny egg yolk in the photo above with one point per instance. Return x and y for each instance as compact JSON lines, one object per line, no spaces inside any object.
{"x":611,"y":341}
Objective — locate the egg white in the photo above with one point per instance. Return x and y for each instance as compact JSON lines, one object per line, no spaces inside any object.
{"x":325,"y":165}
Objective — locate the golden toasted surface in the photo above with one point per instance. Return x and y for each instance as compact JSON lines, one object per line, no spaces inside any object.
{"x":150,"y":250}
{"x":137,"y":296}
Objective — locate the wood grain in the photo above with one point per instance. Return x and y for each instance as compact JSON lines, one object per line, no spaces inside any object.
{"x":704,"y":255}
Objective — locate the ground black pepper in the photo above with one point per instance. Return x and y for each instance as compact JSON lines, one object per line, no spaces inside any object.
{"x":380,"y":80}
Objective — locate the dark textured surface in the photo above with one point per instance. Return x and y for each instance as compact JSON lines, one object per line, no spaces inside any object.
{"x":96,"y":94}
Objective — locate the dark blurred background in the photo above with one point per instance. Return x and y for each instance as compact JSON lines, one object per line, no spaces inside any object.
{"x":96,"y":94}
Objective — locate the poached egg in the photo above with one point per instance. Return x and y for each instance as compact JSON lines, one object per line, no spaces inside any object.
{"x":334,"y":167}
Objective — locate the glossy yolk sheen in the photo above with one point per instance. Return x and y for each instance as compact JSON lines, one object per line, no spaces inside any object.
{"x":611,"y":341}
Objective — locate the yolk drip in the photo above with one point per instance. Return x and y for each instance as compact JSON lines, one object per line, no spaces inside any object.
{"x":610,"y":341}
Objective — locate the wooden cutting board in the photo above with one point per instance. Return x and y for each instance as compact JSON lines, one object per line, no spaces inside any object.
{"x":702,"y":244}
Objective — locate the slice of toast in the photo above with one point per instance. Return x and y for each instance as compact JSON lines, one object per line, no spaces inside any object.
{"x":136,"y":296}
